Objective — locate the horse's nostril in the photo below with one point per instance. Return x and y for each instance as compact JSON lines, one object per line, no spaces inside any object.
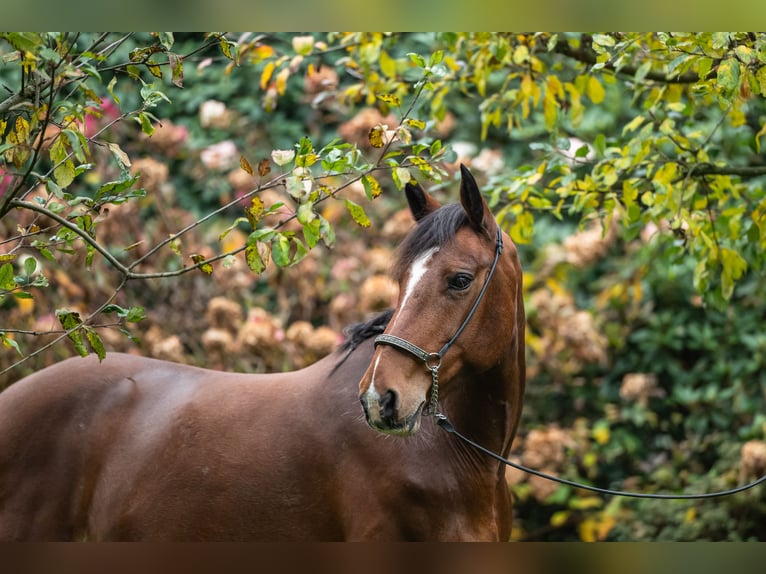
{"x":389,"y":404}
{"x":364,"y":408}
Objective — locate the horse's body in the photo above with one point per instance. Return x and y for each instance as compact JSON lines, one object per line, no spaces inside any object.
{"x":140,"y":449}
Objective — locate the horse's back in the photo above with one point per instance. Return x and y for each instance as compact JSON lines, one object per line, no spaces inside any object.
{"x":134,"y":447}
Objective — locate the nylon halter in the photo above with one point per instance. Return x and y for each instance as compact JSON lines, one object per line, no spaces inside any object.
{"x":433,"y":361}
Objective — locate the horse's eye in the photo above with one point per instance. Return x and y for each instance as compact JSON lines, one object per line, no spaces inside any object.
{"x":460,"y":281}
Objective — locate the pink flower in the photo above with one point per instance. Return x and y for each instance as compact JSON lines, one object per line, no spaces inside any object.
{"x":220,"y":156}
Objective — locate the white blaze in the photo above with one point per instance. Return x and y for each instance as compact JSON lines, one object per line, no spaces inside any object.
{"x":418,"y":270}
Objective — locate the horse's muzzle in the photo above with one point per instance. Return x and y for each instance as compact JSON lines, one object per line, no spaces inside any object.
{"x":382,"y":414}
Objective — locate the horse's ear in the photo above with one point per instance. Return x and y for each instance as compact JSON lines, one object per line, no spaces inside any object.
{"x":421,"y":203}
{"x":479,"y":215}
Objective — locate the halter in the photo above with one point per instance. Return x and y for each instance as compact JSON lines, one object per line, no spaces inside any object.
{"x":433,"y":361}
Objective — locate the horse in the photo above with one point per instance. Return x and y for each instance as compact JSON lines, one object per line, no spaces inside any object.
{"x":139,"y":449}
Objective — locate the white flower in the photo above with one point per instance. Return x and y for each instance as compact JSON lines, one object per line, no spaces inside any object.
{"x":282,"y":156}
{"x":213,"y":113}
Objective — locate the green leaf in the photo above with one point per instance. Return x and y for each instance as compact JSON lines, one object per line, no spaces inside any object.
{"x":166,"y":39}
{"x":327,"y":231}
{"x":135,"y":314}
{"x":71,"y":322}
{"x":252,"y":255}
{"x":95,"y":342}
{"x":64,"y":174}
{"x":10,"y":343}
{"x":176,"y":70}
{"x":280,"y":250}
{"x":7,"y":282}
{"x":728,"y":76}
{"x":312,"y":231}
{"x":30,"y":265}
{"x":357,"y":213}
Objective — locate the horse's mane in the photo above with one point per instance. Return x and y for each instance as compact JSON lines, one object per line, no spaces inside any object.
{"x":360,"y":332}
{"x":357,"y":333}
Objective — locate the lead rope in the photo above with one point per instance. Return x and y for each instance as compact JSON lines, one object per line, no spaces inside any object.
{"x":442,"y":421}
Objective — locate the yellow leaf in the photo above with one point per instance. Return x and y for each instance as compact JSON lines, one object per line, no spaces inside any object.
{"x":390,"y":99}
{"x":268,"y":70}
{"x":633,"y":124}
{"x":255,"y":211}
{"x":371,"y":186}
{"x":601,"y":434}
{"x":206,"y":268}
{"x":595,"y":90}
{"x":559,"y":518}
{"x":376,"y":136}
{"x":690,"y":515}
{"x":586,"y":503}
{"x":282,"y":81}
{"x":387,"y":65}
{"x":520,"y":54}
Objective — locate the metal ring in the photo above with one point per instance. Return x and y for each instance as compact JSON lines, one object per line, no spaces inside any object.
{"x":433,"y":361}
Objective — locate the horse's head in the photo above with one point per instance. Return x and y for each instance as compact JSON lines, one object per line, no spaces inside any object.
{"x":454,"y":260}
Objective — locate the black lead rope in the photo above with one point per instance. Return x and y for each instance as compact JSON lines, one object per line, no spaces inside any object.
{"x":442,"y":421}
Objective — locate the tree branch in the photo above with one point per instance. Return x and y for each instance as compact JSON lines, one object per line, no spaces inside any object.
{"x":588,"y":56}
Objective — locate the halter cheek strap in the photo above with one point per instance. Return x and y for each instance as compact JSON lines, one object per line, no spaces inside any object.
{"x":433,"y":361}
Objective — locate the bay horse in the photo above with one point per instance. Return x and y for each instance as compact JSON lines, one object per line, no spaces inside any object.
{"x":136,"y":448}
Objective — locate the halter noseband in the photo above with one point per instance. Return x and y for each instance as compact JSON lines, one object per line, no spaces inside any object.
{"x":434,"y":360}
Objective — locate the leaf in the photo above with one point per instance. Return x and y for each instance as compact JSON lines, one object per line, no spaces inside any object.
{"x":71,"y":322}
{"x":176,"y":69}
{"x":387,"y":65}
{"x":225,"y":48}
{"x":95,"y":342}
{"x":371,"y":186}
{"x":268,"y":70}
{"x":728,"y":75}
{"x":7,"y":282}
{"x":245,"y":165}
{"x":280,"y":250}
{"x":282,"y":77}
{"x":357,"y":213}
{"x":521,"y":230}
{"x":633,"y":124}
{"x":417,"y":124}
{"x":154,"y":69}
{"x":376,"y":136}
{"x":198,"y":259}
{"x":595,"y":90}
{"x":253,"y":256}
{"x":121,"y":156}
{"x":166,"y":39}
{"x":10,"y":343}
{"x":391,"y":99}
{"x":254,"y":212}
{"x":64,"y":174}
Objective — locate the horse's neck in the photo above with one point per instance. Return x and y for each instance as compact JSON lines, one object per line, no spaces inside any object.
{"x":487,"y":407}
